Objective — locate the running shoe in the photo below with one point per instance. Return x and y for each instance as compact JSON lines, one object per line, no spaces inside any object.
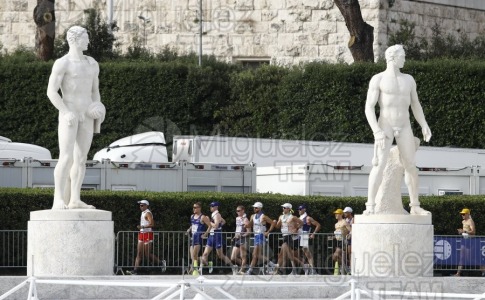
{"x":163,"y":265}
{"x":211,"y":267}
{"x":132,"y":272}
{"x":270,"y":267}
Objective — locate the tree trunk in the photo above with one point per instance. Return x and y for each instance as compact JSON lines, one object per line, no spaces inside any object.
{"x":45,"y":19}
{"x":361,"y":34}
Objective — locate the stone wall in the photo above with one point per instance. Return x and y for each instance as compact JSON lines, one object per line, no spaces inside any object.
{"x":286,"y":32}
{"x":452,"y":16}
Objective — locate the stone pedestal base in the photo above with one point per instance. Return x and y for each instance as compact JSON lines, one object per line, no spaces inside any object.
{"x":77,"y":242}
{"x":392,"y":245}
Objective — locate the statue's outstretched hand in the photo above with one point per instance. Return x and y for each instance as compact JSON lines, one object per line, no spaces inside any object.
{"x":426,"y":133}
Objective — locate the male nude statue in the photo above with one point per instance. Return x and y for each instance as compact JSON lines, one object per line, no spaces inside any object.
{"x":80,"y":115}
{"x":395,"y":92}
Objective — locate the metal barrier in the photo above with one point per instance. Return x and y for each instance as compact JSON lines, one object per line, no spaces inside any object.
{"x":320,"y":250}
{"x":13,"y":247}
{"x":450,"y":251}
{"x":173,"y":247}
{"x":169,"y":246}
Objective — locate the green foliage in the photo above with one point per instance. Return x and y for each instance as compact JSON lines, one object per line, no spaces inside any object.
{"x":102,"y":42}
{"x":21,"y":55}
{"x":173,"y":93}
{"x":254,"y":108}
{"x":406,"y":36}
{"x":315,"y":102}
{"x":444,"y":99}
{"x":438,"y":46}
{"x":326,"y":102}
{"x":172,"y":210}
{"x":25,"y":111}
{"x":136,"y":51}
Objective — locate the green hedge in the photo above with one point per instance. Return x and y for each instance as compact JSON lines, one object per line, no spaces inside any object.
{"x":326,"y":102}
{"x":314,"y":102}
{"x":172,"y":210}
{"x":169,"y":97}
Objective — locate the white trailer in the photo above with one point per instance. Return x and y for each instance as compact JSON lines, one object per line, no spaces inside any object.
{"x":328,"y":180}
{"x":235,"y":164}
{"x":267,"y":152}
{"x":275,"y":152}
{"x":332,"y":168}
{"x":135,"y":176}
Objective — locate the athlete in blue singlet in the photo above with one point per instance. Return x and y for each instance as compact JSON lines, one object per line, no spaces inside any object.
{"x":215,"y":237}
{"x":258,"y":222}
{"x":199,"y":224}
{"x":306,"y":235}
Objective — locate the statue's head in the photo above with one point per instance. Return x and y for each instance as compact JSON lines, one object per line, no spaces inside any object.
{"x":393,"y":52}
{"x":74,"y":34}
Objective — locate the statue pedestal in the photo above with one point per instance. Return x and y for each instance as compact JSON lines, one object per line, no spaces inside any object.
{"x":70,"y":242}
{"x":392,"y":246}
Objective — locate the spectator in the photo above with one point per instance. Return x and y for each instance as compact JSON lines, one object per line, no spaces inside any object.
{"x":466,"y":231}
{"x":342,"y":229}
{"x":349,"y":218}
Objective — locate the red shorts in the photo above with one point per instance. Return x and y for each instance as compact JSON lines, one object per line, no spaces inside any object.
{"x":145,"y":237}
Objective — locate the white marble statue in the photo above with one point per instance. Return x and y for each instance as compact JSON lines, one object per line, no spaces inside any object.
{"x":395,"y":92}
{"x":80,"y":115}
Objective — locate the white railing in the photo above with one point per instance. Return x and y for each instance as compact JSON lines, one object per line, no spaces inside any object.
{"x":201,"y":286}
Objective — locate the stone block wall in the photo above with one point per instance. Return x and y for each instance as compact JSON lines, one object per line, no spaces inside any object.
{"x":287,"y":32}
{"x":452,"y":16}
